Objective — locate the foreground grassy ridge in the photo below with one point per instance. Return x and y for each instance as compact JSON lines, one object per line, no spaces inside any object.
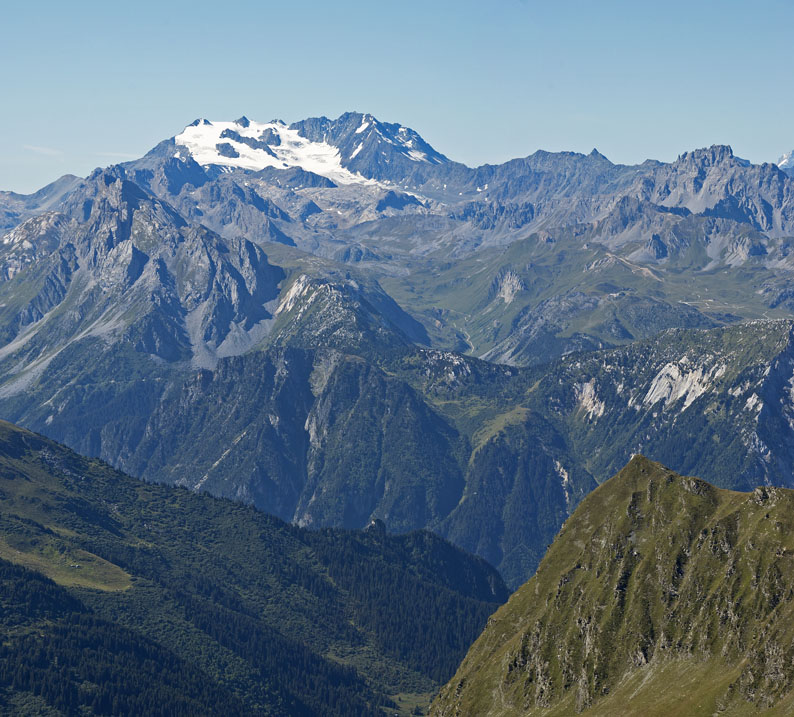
{"x":280,"y":619}
{"x":660,"y":595}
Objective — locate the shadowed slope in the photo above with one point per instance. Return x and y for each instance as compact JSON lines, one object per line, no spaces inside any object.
{"x":279,"y":619}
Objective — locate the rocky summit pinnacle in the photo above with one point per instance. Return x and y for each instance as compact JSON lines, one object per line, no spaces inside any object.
{"x":709,"y":156}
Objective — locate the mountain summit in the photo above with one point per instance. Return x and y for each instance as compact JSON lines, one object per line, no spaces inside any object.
{"x":786,"y":162}
{"x":348,"y":150}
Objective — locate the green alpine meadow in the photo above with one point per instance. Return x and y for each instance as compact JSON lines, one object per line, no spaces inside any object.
{"x":660,"y":595}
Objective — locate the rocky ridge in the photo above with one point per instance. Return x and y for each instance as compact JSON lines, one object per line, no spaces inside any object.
{"x":655,"y":580}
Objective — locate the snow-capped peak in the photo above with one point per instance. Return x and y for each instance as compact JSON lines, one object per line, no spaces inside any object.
{"x":403,"y":139}
{"x":787,"y":160}
{"x":255,"y":146}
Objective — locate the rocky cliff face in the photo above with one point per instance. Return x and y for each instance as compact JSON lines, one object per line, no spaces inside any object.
{"x":715,"y":402}
{"x":654,"y":578}
{"x":119,"y":265}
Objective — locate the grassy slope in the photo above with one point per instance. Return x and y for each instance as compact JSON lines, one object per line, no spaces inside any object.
{"x":660,"y":595}
{"x":256,"y":604}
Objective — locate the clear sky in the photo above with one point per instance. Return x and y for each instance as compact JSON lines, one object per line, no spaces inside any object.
{"x":87,"y":84}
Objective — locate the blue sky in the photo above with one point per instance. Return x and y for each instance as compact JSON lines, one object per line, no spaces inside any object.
{"x":87,"y":84}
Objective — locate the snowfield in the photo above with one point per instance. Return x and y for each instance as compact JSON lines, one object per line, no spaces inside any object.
{"x":202,"y":140}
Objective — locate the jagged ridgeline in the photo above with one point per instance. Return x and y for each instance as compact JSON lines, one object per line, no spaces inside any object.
{"x":661,"y":595}
{"x":302,"y":318}
{"x":121,"y":597}
{"x":518,"y":262}
{"x":494,"y":458}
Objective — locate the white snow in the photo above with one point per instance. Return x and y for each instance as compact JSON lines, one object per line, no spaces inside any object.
{"x":356,"y":150}
{"x":294,"y":151}
{"x":787,"y":160}
{"x":364,"y":125}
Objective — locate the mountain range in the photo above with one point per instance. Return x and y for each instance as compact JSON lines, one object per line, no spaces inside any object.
{"x":336,"y":323}
{"x":349,"y":340}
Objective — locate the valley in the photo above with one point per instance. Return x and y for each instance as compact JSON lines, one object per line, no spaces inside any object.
{"x":212,"y":604}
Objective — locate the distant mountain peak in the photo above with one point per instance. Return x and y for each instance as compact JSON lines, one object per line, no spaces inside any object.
{"x":595,"y":154}
{"x":403,"y":139}
{"x":708,"y":156}
{"x":786,"y":162}
{"x":254,"y":146}
{"x":355,"y":148}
